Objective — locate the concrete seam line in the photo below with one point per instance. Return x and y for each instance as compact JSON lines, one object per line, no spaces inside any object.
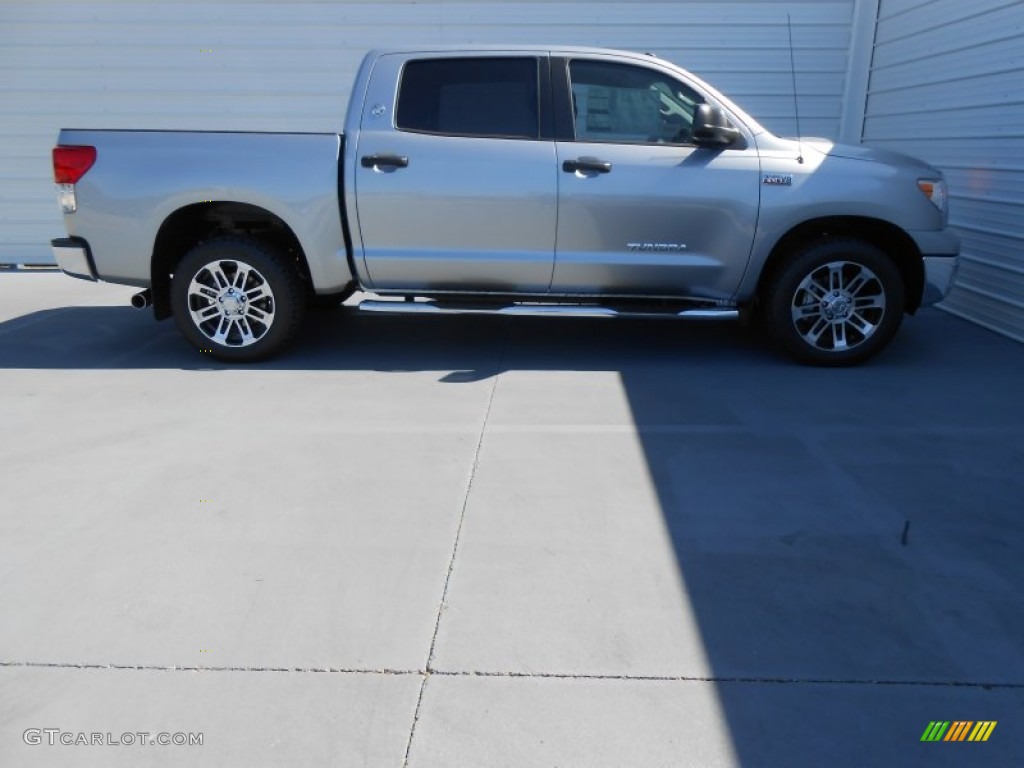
{"x":206,"y":668}
{"x":513,"y":675}
{"x":724,"y":680}
{"x":455,"y":545}
{"x":415,"y":718}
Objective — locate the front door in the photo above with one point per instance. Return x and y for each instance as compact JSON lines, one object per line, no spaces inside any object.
{"x":642,"y":209}
{"x":456,"y":190}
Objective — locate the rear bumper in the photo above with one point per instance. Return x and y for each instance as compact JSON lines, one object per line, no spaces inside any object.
{"x":73,"y":257}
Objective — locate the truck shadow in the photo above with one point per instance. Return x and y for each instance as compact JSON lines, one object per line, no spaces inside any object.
{"x":466,"y":348}
{"x":848,"y":540}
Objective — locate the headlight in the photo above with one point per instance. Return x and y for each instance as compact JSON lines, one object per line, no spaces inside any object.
{"x":934,"y":190}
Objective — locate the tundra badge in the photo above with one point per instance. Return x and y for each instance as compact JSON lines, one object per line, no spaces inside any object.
{"x":658,"y":247}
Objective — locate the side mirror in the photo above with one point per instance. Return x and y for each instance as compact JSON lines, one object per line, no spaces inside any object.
{"x":711,"y":128}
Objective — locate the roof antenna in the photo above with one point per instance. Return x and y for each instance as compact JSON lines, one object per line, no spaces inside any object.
{"x":796,"y":106}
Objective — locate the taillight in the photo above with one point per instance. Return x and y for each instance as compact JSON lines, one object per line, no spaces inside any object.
{"x":71,"y":163}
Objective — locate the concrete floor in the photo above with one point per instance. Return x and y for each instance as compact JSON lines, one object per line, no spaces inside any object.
{"x":493,"y":542}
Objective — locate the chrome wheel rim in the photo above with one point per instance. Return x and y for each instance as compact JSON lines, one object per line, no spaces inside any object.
{"x":231,"y":303}
{"x":838,"y":306}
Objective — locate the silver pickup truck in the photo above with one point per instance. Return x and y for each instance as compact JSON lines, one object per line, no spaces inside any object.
{"x":516,"y":181}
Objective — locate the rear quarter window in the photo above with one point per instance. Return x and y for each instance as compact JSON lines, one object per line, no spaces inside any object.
{"x":475,"y":97}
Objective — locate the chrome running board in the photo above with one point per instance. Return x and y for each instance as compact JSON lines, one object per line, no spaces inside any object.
{"x":400,"y":307}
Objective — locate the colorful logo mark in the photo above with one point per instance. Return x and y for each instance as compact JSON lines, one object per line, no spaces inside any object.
{"x":959,"y":730}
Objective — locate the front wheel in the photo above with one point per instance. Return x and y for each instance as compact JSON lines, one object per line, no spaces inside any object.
{"x":237,"y":299}
{"x":838,"y":302}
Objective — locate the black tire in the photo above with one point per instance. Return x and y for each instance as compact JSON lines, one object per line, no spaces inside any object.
{"x":237,"y":299}
{"x":836,"y":302}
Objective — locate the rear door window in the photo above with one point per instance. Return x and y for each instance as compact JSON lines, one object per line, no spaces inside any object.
{"x":474,"y":97}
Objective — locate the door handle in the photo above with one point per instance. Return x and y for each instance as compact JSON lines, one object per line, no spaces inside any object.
{"x":388,"y":161}
{"x":586,"y":164}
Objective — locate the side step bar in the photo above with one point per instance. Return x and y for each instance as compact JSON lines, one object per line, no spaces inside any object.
{"x":537,"y":310}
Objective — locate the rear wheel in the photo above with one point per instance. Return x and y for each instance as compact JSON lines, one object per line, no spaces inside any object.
{"x":237,"y":299}
{"x":838,"y":302}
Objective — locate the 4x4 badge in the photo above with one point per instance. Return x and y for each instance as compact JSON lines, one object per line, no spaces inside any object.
{"x":782,"y":179}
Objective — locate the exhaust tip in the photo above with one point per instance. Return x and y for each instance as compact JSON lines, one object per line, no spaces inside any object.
{"x":142,"y":299}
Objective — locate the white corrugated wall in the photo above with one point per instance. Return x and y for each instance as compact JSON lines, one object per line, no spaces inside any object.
{"x":947,"y":85}
{"x":288,"y":66}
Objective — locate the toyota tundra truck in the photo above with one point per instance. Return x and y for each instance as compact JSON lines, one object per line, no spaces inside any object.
{"x":511,"y":180}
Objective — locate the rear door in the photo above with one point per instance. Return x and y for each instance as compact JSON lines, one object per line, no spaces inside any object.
{"x":642,"y":209}
{"x":455,"y":180}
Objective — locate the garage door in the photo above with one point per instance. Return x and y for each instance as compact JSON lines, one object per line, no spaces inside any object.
{"x":947,"y":85}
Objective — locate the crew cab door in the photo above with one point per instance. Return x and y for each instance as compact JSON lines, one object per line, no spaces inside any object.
{"x":455,"y":176}
{"x":642,"y":209}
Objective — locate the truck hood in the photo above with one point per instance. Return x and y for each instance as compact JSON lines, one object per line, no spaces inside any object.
{"x":871,"y":154}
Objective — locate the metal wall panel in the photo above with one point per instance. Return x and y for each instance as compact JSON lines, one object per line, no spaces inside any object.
{"x":288,"y":66}
{"x":947,"y":85}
